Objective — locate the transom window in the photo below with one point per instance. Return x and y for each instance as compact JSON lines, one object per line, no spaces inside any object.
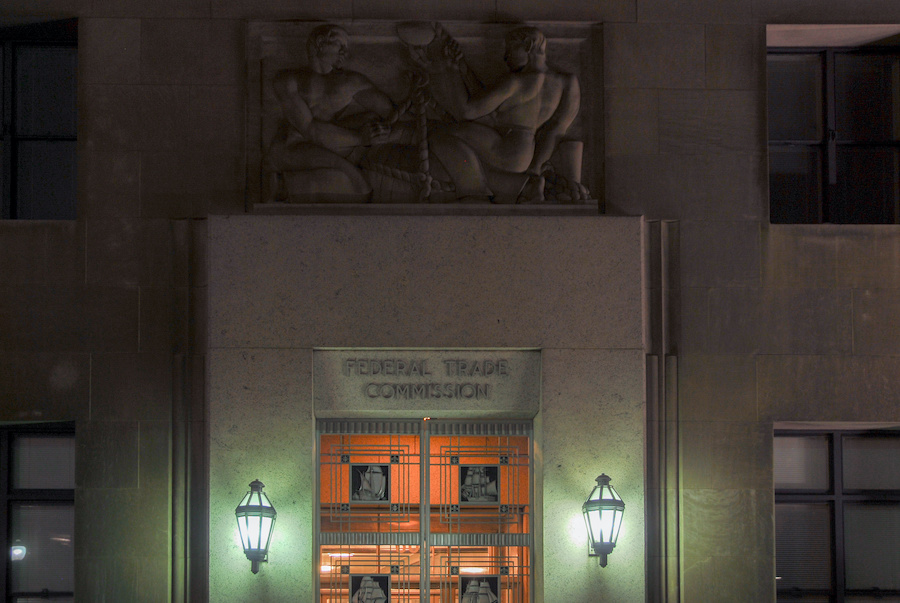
{"x":430,"y":511}
{"x":837,"y":516}
{"x":834,"y":135}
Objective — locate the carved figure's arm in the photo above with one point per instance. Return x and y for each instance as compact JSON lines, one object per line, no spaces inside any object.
{"x":552,"y":131}
{"x":475,"y":104}
{"x":372,"y":99}
{"x":298,"y":114}
{"x":473,"y":82}
{"x":453,"y":54}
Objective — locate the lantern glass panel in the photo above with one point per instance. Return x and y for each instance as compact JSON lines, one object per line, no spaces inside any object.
{"x":606,"y":524}
{"x":256,"y":518}
{"x":617,"y":524}
{"x":592,"y":519}
{"x":250,"y":532}
{"x":266,"y":532}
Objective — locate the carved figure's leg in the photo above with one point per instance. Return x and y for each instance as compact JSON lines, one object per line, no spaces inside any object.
{"x":508,"y":150}
{"x":320,"y":174}
{"x":504,"y":157}
{"x":461,"y":164}
{"x":508,"y":185}
{"x":273,"y":177}
{"x":566,"y":161}
{"x":324,"y":185}
{"x":276,"y":190}
{"x":533,"y":191}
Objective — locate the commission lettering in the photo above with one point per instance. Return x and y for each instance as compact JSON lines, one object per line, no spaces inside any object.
{"x":428,"y":391}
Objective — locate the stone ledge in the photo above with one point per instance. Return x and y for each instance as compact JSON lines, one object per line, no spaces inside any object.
{"x":423,"y":209}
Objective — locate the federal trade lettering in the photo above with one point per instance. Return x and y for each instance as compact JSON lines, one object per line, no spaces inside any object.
{"x":476,"y":368}
{"x":392,"y":366}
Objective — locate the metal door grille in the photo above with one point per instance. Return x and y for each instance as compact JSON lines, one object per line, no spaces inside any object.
{"x":424,"y":511}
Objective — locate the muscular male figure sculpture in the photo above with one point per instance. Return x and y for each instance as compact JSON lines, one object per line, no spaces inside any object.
{"x":515,"y":125}
{"x":320,"y":136}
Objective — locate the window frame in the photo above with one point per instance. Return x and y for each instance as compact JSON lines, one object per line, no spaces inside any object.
{"x":58,"y":34}
{"x":10,"y":496}
{"x":830,"y":143}
{"x":836,"y":497}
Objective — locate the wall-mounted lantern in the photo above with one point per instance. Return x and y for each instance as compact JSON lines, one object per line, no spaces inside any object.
{"x":603,"y":512}
{"x":256,"y":522}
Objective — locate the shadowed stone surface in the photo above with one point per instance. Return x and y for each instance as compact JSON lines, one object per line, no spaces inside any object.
{"x":420,"y":281}
{"x":44,"y":386}
{"x":107,"y":456}
{"x":828,"y":388}
{"x":703,"y":381}
{"x":724,"y":254}
{"x":111,"y":51}
{"x":128,"y":387}
{"x":726,"y":455}
{"x":876,"y":321}
{"x":799,"y":256}
{"x":640,"y":55}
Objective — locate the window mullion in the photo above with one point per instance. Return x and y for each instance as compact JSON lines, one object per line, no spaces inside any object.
{"x":6,"y":163}
{"x":838,"y":477}
{"x":4,"y":500}
{"x":829,"y":190}
{"x":49,"y":496}
{"x":425,"y":513}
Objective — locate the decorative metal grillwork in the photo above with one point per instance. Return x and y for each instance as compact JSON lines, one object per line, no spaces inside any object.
{"x":369,"y":481}
{"x":493,"y":572}
{"x":365,"y":572}
{"x":430,"y":511}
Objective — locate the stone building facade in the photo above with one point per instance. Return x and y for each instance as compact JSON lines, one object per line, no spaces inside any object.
{"x":177,"y":325}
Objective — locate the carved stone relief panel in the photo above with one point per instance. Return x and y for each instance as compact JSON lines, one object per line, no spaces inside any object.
{"x":423,"y":112}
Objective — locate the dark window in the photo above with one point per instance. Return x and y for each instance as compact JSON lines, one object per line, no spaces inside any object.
{"x":38,"y":101}
{"x":837,"y":516}
{"x":834,"y":136}
{"x":37,"y":487}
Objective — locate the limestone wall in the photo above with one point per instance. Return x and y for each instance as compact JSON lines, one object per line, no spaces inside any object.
{"x":103,"y":319}
{"x":280,"y":286}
